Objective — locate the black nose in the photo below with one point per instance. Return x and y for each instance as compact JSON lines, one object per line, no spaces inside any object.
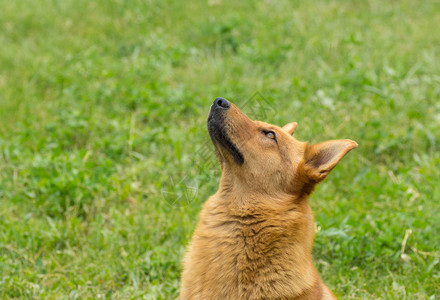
{"x":221,"y":102}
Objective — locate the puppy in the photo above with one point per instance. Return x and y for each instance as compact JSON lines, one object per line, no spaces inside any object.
{"x":255,"y":234}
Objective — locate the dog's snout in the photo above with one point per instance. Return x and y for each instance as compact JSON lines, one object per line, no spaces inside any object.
{"x":221,"y":102}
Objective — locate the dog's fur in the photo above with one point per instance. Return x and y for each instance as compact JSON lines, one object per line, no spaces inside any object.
{"x":255,"y":234}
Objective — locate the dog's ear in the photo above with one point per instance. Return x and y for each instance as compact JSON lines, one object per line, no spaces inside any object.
{"x":321,"y":158}
{"x":290,"y":127}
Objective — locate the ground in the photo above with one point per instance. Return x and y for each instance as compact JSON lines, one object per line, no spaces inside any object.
{"x":105,"y":158}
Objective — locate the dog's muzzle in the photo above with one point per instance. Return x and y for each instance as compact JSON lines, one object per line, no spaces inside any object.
{"x":217,"y":128}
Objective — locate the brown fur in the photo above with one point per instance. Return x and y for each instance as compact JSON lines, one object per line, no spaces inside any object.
{"x":255,"y":234}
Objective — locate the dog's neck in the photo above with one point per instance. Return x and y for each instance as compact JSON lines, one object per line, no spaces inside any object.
{"x":248,"y":196}
{"x":233,"y":182}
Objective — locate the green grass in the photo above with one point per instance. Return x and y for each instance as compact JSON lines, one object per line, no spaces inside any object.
{"x":105,"y":158}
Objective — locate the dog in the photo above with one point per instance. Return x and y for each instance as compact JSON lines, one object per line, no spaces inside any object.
{"x":255,"y":234}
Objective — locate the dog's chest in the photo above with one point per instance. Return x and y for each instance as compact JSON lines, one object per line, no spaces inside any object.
{"x":249,"y":256}
{"x":247,"y":251}
{"x":241,"y":258}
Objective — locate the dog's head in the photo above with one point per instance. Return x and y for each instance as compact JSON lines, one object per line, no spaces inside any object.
{"x":266,"y":158}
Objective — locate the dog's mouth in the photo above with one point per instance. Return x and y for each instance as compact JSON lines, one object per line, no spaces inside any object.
{"x":217,"y":128}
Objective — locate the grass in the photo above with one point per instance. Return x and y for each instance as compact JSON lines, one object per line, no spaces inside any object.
{"x":105,"y":158}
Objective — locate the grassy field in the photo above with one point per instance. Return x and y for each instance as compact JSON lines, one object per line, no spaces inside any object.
{"x":105,"y":158}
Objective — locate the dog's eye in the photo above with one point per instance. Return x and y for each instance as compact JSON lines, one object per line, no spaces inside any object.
{"x":270,"y":134}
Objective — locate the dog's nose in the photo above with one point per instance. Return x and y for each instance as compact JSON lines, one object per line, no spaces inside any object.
{"x":221,"y":102}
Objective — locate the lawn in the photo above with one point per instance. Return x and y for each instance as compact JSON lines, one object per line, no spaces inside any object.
{"x":105,"y":158}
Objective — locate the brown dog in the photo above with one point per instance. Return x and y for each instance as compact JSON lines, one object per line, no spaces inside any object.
{"x":255,"y":235}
